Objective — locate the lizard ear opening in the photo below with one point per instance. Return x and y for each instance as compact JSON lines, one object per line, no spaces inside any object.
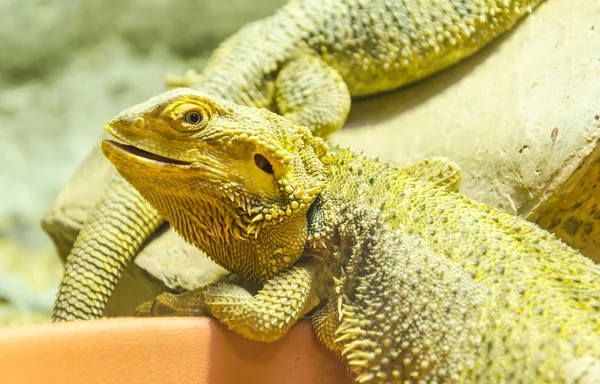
{"x":262,"y":163}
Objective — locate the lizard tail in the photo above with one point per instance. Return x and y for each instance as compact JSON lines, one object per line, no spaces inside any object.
{"x":111,"y":236}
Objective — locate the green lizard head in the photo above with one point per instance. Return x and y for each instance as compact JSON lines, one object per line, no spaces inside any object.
{"x":232,"y":180}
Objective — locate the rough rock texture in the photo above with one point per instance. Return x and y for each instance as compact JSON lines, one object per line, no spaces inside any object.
{"x":26,"y":293}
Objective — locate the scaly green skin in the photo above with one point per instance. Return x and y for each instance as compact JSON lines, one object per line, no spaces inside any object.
{"x":304,"y":62}
{"x":409,"y":280}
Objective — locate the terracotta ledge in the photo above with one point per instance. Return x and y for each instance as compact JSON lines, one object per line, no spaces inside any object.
{"x":163,"y":350}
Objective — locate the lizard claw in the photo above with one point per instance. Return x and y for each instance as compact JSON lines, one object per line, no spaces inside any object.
{"x":169,"y":304}
{"x":144,"y":309}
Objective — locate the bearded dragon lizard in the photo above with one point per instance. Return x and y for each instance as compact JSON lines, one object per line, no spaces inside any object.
{"x":304,"y":62}
{"x":406,"y":280}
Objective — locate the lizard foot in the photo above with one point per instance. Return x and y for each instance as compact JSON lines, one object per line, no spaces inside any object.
{"x":169,"y":304}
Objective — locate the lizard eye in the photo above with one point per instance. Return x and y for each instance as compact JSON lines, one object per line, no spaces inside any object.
{"x":262,"y":163}
{"x":193,"y":118}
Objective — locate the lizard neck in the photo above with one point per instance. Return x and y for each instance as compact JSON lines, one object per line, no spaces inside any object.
{"x":217,"y":228}
{"x":334,"y":227}
{"x":355,"y":190}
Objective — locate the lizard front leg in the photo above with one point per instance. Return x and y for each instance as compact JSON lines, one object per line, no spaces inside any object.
{"x":399,"y":312}
{"x":266,"y":316}
{"x":312,"y":94}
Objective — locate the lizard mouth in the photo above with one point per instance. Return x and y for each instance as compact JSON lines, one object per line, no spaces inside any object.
{"x":135,"y":151}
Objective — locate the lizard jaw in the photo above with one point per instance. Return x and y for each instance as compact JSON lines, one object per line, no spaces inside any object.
{"x":140,"y":153}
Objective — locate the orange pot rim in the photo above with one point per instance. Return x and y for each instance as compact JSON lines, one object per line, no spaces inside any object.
{"x":161,"y":350}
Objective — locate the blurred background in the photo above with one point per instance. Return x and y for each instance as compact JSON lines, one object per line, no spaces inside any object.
{"x":66,"y":68}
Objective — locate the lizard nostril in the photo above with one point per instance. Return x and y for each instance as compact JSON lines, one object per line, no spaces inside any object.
{"x":139,"y":123}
